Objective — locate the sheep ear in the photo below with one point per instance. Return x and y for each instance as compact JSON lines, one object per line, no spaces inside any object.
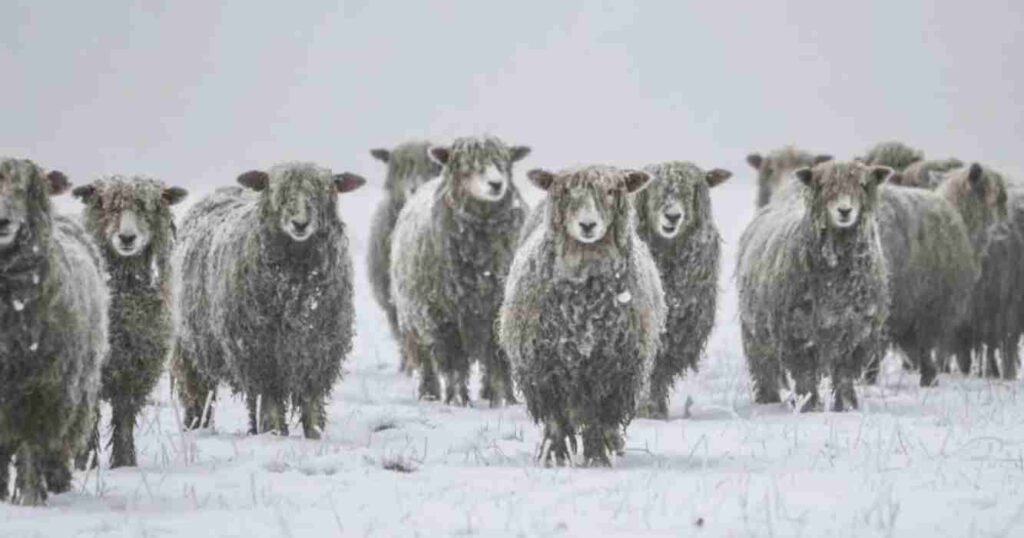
{"x":256,"y":180}
{"x":348,"y":182}
{"x":174,"y":195}
{"x":974,"y":174}
{"x":518,"y":153}
{"x":440,"y":154}
{"x":637,"y":180}
{"x":541,"y":178}
{"x":755,"y":160}
{"x":381,"y":155}
{"x":59,"y":183}
{"x":84,"y":192}
{"x":717,"y":176}
{"x":878,"y":174}
{"x":822,"y":158}
{"x":805,"y":175}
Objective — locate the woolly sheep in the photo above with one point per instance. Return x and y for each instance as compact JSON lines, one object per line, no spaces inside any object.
{"x":674,"y":220}
{"x":264,"y":294}
{"x":583,"y":312}
{"x":777,"y":166}
{"x":894,"y":154}
{"x":53,"y":310}
{"x":409,"y":167}
{"x":451,"y":250}
{"x":812,"y":283}
{"x":925,"y":174}
{"x":130,"y":219}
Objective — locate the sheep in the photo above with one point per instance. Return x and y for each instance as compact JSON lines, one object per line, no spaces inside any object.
{"x":131,"y":221}
{"x":674,"y":220}
{"x":53,"y":310}
{"x":812,"y":283}
{"x":925,"y":174}
{"x":409,"y":167}
{"x":583,"y":312}
{"x":263,"y":282}
{"x":452,"y":247}
{"x":933,"y":267}
{"x":777,"y":166}
{"x":894,"y":154}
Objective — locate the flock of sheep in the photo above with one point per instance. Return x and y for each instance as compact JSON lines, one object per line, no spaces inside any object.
{"x":592,"y":303}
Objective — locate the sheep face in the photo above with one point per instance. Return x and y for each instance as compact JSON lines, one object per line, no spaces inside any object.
{"x":298,"y":199}
{"x":409,"y":167}
{"x":24,"y":189}
{"x":126,"y":213}
{"x":589,"y":202}
{"x":978,"y":192}
{"x":678,"y":197}
{"x":773,"y":169}
{"x":479,"y":167}
{"x":846,"y":192}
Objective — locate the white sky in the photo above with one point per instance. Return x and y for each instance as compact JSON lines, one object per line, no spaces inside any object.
{"x":196,"y":92}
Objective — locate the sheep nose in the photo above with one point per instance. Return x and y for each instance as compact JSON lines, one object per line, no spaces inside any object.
{"x":300,"y":226}
{"x":4,"y":223}
{"x":673,"y":218}
{"x":845,"y":212}
{"x":127,"y":239}
{"x":588,"y":227}
{"x":495,"y":185}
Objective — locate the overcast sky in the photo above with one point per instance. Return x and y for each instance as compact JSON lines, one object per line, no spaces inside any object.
{"x":196,"y":92}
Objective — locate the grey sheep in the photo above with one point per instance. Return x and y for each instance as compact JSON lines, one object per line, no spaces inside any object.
{"x":933,"y":267}
{"x":812,"y":281}
{"x":674,"y":220}
{"x":583,"y":312}
{"x":53,"y":310}
{"x":264,"y":296}
{"x":409,"y":167}
{"x":130,"y":219}
{"x":894,"y":154}
{"x":777,"y":167}
{"x":925,"y":174}
{"x":451,"y":250}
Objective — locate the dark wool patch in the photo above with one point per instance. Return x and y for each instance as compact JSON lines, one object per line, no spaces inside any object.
{"x":271,"y":316}
{"x":409,"y":167}
{"x":688,"y":264}
{"x":814,"y":299}
{"x":53,"y":310}
{"x":140,"y":313}
{"x":451,"y":254}
{"x":582,"y":323}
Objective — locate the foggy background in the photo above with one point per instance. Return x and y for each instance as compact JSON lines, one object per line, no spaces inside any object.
{"x":196,"y":92}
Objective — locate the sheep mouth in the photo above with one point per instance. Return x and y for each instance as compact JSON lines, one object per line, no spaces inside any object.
{"x":126,"y":251}
{"x":669,"y":230}
{"x":300,"y":237}
{"x":7,"y":233}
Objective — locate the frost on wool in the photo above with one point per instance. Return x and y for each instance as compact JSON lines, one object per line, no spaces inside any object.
{"x":53,"y":310}
{"x":812,"y":282}
{"x":251,"y":264}
{"x":582,"y":356}
{"x":452,"y":247}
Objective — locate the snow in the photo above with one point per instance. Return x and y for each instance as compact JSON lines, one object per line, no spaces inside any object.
{"x":947,"y":461}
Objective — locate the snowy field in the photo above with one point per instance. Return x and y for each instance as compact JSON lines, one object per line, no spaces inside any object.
{"x":947,"y":461}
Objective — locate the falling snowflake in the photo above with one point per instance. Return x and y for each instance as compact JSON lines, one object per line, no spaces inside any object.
{"x":624,"y":297}
{"x":18,"y":305}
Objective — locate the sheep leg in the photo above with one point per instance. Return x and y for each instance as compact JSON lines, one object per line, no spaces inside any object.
{"x":555,"y":446}
{"x":274,"y":418}
{"x":314,"y":420}
{"x":924,"y":359}
{"x":449,"y":354}
{"x":5,"y":470}
{"x":498,"y":387}
{"x":660,"y":382}
{"x":419,"y":355}
{"x":57,"y":471}
{"x":595,"y":447}
{"x":29,"y":488}
{"x":807,"y":385}
{"x":1011,"y":355}
{"x":765,"y":370}
{"x":615,"y":442}
{"x":92,"y":448}
{"x":194,"y":390}
{"x":122,"y":436}
{"x":991,"y":364}
{"x":844,"y":394}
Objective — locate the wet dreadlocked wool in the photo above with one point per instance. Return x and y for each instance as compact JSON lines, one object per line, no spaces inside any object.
{"x":270,"y":315}
{"x":139,"y":281}
{"x":450,"y":255}
{"x":582,"y":323}
{"x":932,"y":271}
{"x":814,"y":298}
{"x":53,"y":310}
{"x":688,"y":263}
{"x":409,"y":167}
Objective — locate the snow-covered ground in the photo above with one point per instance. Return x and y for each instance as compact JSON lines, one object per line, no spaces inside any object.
{"x":939,"y":462}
